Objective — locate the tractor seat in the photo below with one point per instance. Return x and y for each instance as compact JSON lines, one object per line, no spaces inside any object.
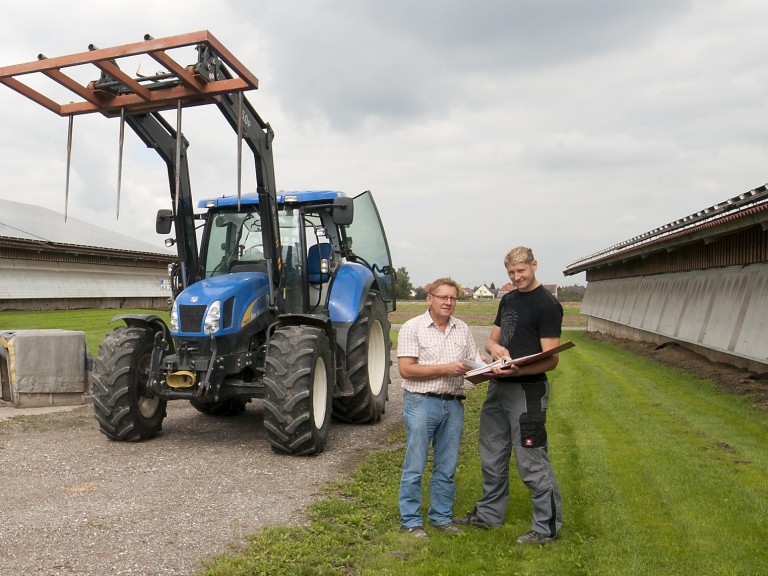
{"x":318,"y":252}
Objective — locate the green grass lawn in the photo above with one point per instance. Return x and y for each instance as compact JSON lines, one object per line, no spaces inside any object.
{"x":95,"y":323}
{"x":660,"y":475}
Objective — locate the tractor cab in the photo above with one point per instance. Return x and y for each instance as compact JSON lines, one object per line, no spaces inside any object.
{"x":317,"y":230}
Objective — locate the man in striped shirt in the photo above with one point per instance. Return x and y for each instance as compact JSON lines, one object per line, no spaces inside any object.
{"x":431,"y":350}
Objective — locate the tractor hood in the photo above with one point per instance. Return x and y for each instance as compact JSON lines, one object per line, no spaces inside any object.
{"x":220,"y":305}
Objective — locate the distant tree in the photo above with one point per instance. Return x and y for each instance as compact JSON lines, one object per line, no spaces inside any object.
{"x":421,"y":293}
{"x":573,"y":293}
{"x":403,"y":284}
{"x":492,"y":286}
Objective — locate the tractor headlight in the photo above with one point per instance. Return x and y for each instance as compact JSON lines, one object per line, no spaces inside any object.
{"x":212,"y":321}
{"x":175,"y":317}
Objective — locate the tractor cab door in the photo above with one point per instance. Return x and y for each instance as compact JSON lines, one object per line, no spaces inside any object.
{"x":366,"y":239}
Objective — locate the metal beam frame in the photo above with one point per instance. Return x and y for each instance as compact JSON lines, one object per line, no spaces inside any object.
{"x":184,"y":85}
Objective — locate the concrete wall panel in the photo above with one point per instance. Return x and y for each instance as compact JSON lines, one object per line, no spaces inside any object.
{"x":722,"y":309}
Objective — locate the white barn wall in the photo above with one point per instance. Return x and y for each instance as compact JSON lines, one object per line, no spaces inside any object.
{"x":40,"y":285}
{"x":720,"y":312}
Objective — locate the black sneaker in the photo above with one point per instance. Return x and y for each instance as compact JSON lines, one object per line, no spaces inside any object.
{"x":472,"y":519}
{"x":533,"y":537}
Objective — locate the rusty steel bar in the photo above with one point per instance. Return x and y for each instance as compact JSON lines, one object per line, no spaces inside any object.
{"x":190,"y":90}
{"x":69,"y":163}
{"x":120,"y":161}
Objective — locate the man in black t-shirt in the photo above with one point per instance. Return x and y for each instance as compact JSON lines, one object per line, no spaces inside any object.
{"x":528,"y":321}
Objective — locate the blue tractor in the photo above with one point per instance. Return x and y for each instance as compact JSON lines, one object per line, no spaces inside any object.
{"x":321,"y":349}
{"x":277,"y":297}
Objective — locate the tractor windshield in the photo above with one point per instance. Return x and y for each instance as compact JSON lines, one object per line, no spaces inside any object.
{"x":235,"y":242}
{"x":233,"y":238}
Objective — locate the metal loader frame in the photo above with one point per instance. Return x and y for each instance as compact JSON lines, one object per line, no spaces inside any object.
{"x":217,"y":78}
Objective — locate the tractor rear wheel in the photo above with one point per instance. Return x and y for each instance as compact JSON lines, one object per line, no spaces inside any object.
{"x":368,"y":363}
{"x":123,"y":406}
{"x":298,"y":388}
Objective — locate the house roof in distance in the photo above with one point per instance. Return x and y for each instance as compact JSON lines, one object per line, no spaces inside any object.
{"x":28,"y":223}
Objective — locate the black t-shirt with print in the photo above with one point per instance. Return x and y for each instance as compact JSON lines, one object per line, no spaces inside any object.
{"x":524,"y":319}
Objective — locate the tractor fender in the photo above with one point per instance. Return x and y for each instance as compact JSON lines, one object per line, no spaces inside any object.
{"x":348,"y":292}
{"x":148,"y":321}
{"x":318,"y":320}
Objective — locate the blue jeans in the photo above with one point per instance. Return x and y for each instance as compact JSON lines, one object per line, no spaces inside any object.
{"x":441,"y":423}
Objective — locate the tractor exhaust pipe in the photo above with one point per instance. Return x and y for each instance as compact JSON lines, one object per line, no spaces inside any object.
{"x":181,"y":379}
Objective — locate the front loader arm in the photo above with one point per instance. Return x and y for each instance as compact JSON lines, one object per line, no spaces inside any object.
{"x":258,"y":135}
{"x":159,"y":135}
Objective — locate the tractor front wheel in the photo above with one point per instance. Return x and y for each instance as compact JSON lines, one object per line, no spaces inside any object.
{"x":123,"y":406}
{"x":298,"y":388}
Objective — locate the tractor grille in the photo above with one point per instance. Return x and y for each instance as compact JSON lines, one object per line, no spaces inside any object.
{"x":191,"y":318}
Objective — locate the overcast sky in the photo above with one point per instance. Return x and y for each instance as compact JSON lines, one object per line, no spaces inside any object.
{"x":567,"y":126}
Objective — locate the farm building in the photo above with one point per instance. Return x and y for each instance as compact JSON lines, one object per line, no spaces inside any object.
{"x":46,"y":263}
{"x":700,"y":281}
{"x":482,"y":292}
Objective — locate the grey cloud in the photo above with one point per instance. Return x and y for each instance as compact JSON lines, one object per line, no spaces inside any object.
{"x":347,"y":61}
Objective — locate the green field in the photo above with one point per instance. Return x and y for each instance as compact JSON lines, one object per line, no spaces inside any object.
{"x":95,"y":323}
{"x":480,"y":312}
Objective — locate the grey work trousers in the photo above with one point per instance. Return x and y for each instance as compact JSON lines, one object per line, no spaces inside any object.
{"x":513,"y":418}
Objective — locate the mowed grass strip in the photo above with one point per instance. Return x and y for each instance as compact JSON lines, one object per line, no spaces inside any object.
{"x":660,"y":474}
{"x":665,"y":478}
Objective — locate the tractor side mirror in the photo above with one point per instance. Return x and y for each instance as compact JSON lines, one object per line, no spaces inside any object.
{"x":163,"y":221}
{"x":343,"y":210}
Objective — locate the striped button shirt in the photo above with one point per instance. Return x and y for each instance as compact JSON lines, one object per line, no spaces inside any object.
{"x":422,"y":339}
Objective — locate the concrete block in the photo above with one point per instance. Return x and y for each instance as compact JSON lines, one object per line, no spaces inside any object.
{"x":44,"y":367}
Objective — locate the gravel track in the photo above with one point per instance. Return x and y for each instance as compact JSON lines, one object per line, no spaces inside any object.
{"x":75,"y":503}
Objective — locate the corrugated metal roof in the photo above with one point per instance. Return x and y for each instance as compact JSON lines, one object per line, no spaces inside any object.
{"x":739,"y":207}
{"x":20,"y":221}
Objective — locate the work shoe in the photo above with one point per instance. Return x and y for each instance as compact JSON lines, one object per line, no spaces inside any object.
{"x":472,"y":519}
{"x":449,"y":528}
{"x":533,"y":537}
{"x":416,"y":532}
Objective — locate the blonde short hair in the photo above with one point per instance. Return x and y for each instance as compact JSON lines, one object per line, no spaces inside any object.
{"x":431,"y":287}
{"x":519,"y":255}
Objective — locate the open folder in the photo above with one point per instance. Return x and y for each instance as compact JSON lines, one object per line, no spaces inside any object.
{"x":480,"y":372}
